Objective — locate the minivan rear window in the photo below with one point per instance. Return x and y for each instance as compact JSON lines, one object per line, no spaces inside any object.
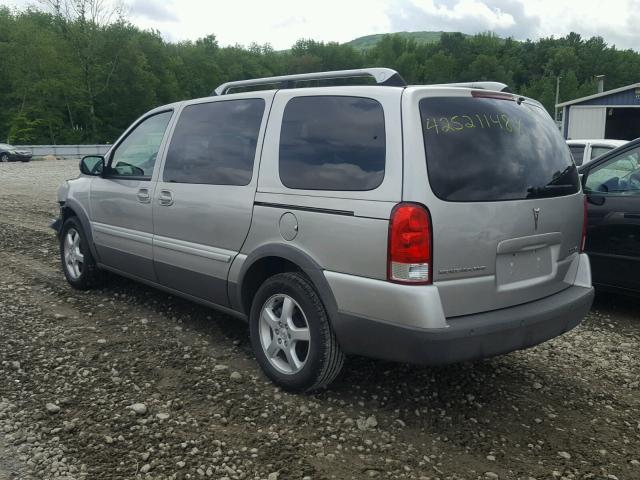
{"x":490,"y":149}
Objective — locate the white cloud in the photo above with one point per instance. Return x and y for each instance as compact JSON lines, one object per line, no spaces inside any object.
{"x":278,"y":22}
{"x":504,"y":17}
{"x":154,"y":10}
{"x":282,"y":22}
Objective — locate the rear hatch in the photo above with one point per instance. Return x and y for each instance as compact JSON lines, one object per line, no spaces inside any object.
{"x":504,"y":197}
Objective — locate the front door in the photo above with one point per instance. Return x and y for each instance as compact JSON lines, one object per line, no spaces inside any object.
{"x":121,"y":199}
{"x":203,"y":202}
{"x":613,"y":235}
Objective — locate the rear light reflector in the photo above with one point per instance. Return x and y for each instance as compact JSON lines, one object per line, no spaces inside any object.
{"x":410,"y":245}
{"x":583,"y":241}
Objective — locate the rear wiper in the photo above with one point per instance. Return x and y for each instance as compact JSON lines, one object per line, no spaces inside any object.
{"x":549,"y":190}
{"x":561,"y":174}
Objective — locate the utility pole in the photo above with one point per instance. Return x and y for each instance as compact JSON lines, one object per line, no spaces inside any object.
{"x":557,"y":96}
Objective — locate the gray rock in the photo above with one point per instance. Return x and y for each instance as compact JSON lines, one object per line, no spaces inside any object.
{"x":139,"y":408}
{"x":52,"y":408}
{"x":69,"y":426}
{"x":235,"y":376}
{"x":365,"y":424}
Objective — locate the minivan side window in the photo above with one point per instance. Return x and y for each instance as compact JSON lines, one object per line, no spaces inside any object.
{"x":332,"y":143}
{"x":620,"y":175}
{"x":136,"y":155}
{"x":215,"y":143}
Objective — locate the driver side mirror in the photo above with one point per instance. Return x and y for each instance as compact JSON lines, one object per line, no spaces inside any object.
{"x":92,"y":165}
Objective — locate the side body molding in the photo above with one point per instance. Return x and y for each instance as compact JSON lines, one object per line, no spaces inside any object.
{"x":303,"y":260}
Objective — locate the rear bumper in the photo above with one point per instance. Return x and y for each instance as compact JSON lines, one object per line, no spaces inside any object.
{"x":468,"y":337}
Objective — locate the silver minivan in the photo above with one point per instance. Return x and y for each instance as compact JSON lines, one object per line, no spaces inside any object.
{"x":423,"y":224}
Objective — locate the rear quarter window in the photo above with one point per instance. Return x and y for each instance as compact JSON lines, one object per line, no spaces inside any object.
{"x":487,"y":149}
{"x":332,"y":143}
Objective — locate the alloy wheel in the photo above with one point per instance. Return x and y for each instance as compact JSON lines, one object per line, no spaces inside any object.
{"x":284,"y":334}
{"x":73,"y":256}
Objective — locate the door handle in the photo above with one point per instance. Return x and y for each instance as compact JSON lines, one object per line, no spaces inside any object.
{"x":143,"y":195}
{"x":165,"y":198}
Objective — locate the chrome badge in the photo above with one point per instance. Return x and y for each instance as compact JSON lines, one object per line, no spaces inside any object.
{"x":536,"y":216}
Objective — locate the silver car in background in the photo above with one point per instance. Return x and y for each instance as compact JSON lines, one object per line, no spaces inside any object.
{"x":424,"y":224}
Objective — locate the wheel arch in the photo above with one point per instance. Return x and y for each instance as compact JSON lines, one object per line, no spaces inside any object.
{"x":269,"y":260}
{"x":72,"y":208}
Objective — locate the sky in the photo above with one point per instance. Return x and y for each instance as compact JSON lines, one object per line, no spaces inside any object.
{"x":282,"y":22}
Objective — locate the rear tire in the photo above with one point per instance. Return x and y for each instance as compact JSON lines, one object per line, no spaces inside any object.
{"x":78,"y":264}
{"x":4,"y":158}
{"x":291,"y":335}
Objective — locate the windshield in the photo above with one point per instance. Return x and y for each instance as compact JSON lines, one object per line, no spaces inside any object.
{"x":6,"y":146}
{"x":487,"y":149}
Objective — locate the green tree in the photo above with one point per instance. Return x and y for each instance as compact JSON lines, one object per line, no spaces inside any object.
{"x":76,"y":72}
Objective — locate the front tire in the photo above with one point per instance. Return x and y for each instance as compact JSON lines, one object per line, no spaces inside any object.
{"x":291,"y":335}
{"x":78,"y":264}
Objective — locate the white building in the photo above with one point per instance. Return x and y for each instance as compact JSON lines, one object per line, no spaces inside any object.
{"x":614,"y":114}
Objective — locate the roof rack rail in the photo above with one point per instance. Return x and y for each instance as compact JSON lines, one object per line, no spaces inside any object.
{"x":382,"y":76}
{"x":496,"y":86}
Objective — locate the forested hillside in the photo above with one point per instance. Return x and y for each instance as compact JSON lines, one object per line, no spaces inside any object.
{"x":84,"y":78}
{"x":369,"y":41}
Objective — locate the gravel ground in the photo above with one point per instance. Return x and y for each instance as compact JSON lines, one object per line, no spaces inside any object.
{"x":129,"y":382}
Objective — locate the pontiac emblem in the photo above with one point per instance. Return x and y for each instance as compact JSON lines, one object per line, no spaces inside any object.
{"x":536,"y":216}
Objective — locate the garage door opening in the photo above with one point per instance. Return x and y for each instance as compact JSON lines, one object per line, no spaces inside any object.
{"x":622,"y":123}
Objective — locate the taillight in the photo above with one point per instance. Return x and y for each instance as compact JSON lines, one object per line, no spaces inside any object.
{"x":410,"y":246}
{"x":584,"y":226}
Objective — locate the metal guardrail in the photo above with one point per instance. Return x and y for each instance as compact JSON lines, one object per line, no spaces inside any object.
{"x":64,"y":151}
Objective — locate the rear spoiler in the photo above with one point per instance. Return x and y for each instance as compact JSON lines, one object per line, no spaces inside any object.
{"x":495,"y":86}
